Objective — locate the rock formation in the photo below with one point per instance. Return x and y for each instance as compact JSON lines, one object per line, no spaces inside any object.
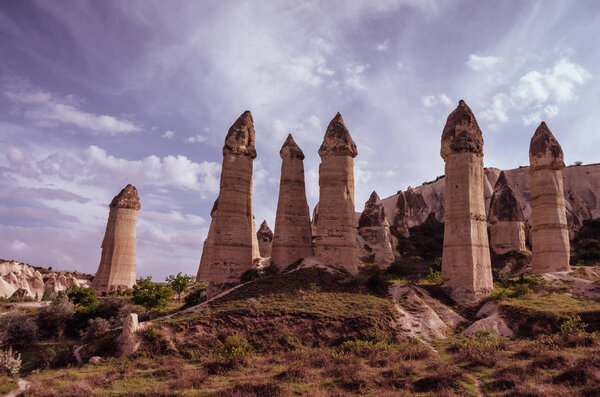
{"x":255,"y":245}
{"x":117,"y":264}
{"x":336,"y":238}
{"x":265,"y":240}
{"x":205,"y":259}
{"x":375,"y":239}
{"x":293,"y":237}
{"x":507,"y":226}
{"x":549,"y":230}
{"x":129,"y":341}
{"x":232,"y":245}
{"x":466,"y":266}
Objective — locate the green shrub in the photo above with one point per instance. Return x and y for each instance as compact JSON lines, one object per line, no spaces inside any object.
{"x":46,"y":296}
{"x":95,"y":329}
{"x":573,"y":325}
{"x":376,"y":282}
{"x":82,"y":297}
{"x":18,"y":329}
{"x":196,"y":296}
{"x":180,"y":282}
{"x":54,"y":318}
{"x":151,"y":295}
{"x":236,"y":347}
{"x":435,"y":276}
{"x":156,"y":342}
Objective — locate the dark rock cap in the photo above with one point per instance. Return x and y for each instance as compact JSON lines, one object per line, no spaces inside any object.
{"x":291,"y":149}
{"x":337,"y":141}
{"x":264,"y":232}
{"x":504,"y":205}
{"x":127,"y":198}
{"x":241,"y":137}
{"x":374,"y":213}
{"x":461,"y":132}
{"x":545,"y":148}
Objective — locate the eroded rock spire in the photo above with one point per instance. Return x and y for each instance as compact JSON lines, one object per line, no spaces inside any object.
{"x":265,"y":239}
{"x":375,"y":242}
{"x":507,"y":225}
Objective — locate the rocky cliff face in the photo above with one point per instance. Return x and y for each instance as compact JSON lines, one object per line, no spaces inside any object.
{"x":23,"y":280}
{"x":581,"y":190}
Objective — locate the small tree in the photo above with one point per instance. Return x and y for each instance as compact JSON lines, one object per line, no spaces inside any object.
{"x":180,"y":283}
{"x":151,"y":295}
{"x":18,"y":329}
{"x":10,"y":364}
{"x":54,"y":318}
{"x":96,"y":327}
{"x":82,"y":297}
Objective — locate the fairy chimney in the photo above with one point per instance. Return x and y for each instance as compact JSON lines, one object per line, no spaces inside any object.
{"x":265,"y":239}
{"x":466,"y":265}
{"x":336,"y":236}
{"x":232,"y":244}
{"x":375,"y":239}
{"x":549,"y":230}
{"x":117,"y":263}
{"x":292,"y":240}
{"x":205,"y":259}
{"x":507,"y":225}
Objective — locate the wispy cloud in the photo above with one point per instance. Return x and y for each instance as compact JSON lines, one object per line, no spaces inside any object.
{"x":480,"y":63}
{"x":196,"y":139}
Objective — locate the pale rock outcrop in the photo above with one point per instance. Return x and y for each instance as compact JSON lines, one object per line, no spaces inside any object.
{"x":234,"y":234}
{"x":375,"y":239}
{"x":336,"y":237}
{"x":292,"y":239}
{"x":206,"y":257}
{"x":265,"y":240}
{"x":466,"y":265}
{"x":129,"y":341}
{"x":255,"y":245}
{"x":117,"y":269}
{"x":549,"y":231}
{"x":507,"y":226}
{"x":490,"y":318}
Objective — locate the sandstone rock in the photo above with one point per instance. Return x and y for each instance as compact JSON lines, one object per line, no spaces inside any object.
{"x":232,"y":246}
{"x":129,"y":341}
{"x":255,"y":245}
{"x":507,"y":226}
{"x":95,"y":360}
{"x":265,"y":240}
{"x":549,"y":230}
{"x":466,"y":265}
{"x":206,"y":258}
{"x":117,"y":264}
{"x":293,"y":236}
{"x":336,"y":238}
{"x":495,"y":323}
{"x":374,"y":229}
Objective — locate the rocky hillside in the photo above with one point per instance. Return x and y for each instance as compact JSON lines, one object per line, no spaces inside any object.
{"x":20,"y":280}
{"x":582,"y":193}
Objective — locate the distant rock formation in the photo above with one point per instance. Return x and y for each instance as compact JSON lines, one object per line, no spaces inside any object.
{"x":293,"y":237}
{"x":375,"y":240}
{"x":466,"y":265}
{"x":20,"y":279}
{"x":206,"y":258}
{"x":117,"y":264}
{"x":232,"y":245}
{"x":549,"y":230}
{"x":265,"y":240}
{"x":336,"y":238}
{"x":507,"y":225}
{"x":255,"y":245}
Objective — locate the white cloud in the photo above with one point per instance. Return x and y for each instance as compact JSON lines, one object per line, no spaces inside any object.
{"x":196,"y":139}
{"x":479,"y":63}
{"x":431,"y":100}
{"x":174,"y":218}
{"x":18,"y":245}
{"x":383,"y":46}
{"x":177,"y":171}
{"x":168,"y":134}
{"x":46,"y":110}
{"x":354,"y":75}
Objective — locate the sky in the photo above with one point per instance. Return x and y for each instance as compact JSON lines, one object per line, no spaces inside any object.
{"x":98,"y":94}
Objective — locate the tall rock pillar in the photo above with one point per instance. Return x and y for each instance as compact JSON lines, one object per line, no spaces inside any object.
{"x":265,"y":240}
{"x":205,"y":260}
{"x":117,"y":264}
{"x":232,"y":246}
{"x":293,"y":237}
{"x":466,"y":266}
{"x":336,"y":237}
{"x":507,"y":225}
{"x":549,"y":230}
{"x":374,"y":231}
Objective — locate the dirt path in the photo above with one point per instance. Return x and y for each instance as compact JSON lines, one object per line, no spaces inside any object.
{"x":23,"y":385}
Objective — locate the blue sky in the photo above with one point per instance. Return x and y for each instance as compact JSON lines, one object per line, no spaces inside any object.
{"x":98,"y":94}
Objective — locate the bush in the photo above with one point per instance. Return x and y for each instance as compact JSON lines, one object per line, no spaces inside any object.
{"x":180,"y":283}
{"x":110,"y":308}
{"x":10,"y":364}
{"x":376,"y":282}
{"x":151,"y":295}
{"x":435,"y":276}
{"x":46,"y":296}
{"x":96,"y":328}
{"x":156,"y":342}
{"x":18,"y":329}
{"x":236,"y":347}
{"x":249,"y":275}
{"x":54,"y":318}
{"x":481,"y":349}
{"x":82,"y":297}
{"x":196,"y":296}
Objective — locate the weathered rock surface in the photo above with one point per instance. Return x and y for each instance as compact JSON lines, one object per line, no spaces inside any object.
{"x":206,"y":258}
{"x":234,"y":233}
{"x":129,"y":341}
{"x":23,"y":279}
{"x":466,"y":265}
{"x":420,"y":315}
{"x":375,"y":240}
{"x":293,"y":236}
{"x":336,"y":236}
{"x":265,"y":240}
{"x":549,"y":230}
{"x":507,"y":225}
{"x":117,"y":269}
